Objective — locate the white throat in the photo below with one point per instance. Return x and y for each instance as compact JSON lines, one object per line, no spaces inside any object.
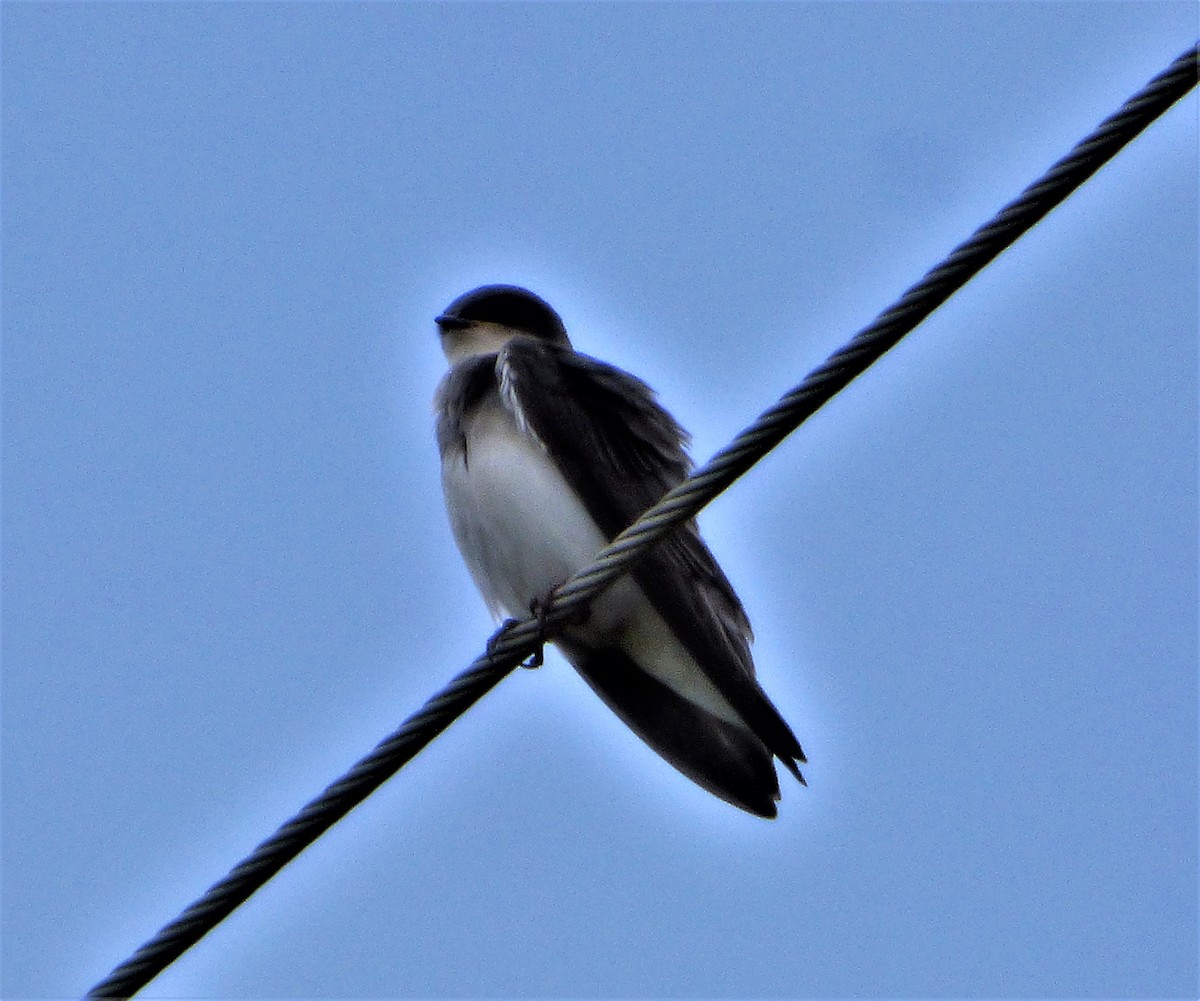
{"x":477,"y":339}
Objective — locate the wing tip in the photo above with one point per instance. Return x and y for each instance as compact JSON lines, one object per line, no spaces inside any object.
{"x":792,"y":763}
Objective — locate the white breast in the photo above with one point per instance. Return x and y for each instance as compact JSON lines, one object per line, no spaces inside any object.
{"x":520,"y":527}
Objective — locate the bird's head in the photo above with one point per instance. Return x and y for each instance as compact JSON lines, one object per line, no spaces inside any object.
{"x":483,"y":320}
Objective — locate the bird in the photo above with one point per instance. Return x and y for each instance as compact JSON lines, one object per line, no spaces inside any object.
{"x":546,"y":455}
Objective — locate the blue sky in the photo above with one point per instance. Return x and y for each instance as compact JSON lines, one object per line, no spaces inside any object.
{"x":227,"y":571}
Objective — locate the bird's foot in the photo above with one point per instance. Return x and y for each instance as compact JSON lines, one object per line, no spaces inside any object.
{"x":494,"y":640}
{"x":538,"y":608}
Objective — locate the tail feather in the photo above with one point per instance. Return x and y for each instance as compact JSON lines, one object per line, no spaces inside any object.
{"x":727,"y":760}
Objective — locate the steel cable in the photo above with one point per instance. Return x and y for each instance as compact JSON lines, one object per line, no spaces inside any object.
{"x":516,"y":641}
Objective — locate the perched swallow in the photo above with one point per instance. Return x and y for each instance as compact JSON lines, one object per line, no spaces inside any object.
{"x":547,"y":455}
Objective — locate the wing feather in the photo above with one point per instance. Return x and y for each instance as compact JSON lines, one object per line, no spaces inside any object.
{"x":621,"y":451}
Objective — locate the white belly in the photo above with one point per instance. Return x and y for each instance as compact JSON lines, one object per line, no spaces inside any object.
{"x":519,"y":526}
{"x":522,"y":531}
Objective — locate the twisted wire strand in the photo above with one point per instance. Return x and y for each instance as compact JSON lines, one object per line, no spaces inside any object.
{"x":516,"y":641}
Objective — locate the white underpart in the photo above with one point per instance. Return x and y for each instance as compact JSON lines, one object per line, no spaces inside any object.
{"x":522,"y":531}
{"x":477,"y":339}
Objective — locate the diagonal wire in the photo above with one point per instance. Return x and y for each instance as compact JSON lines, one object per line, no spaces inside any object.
{"x":514,"y":642}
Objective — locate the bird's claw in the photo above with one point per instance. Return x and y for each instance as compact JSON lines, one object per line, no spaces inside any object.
{"x":538,"y":609}
{"x":536,"y":658}
{"x":494,"y":640}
